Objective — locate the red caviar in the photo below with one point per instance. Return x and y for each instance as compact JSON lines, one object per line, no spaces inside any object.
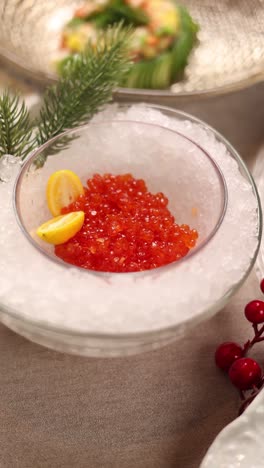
{"x":126,"y":228}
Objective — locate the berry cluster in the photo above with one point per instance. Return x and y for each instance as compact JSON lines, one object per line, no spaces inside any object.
{"x":244,"y":372}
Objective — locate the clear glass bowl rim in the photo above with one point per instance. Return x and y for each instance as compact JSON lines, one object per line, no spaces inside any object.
{"x":28,"y":161}
{"x":152,"y":335}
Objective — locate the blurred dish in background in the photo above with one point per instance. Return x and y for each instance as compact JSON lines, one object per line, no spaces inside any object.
{"x":230,"y":54}
{"x":163,"y":38}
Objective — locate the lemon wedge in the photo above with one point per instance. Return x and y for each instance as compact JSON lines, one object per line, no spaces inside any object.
{"x":62,"y":228}
{"x":63,"y":188}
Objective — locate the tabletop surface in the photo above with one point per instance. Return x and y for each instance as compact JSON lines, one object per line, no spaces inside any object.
{"x":156,"y":410}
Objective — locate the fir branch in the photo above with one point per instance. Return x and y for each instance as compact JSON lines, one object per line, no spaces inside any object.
{"x":86,"y":84}
{"x":15,"y":127}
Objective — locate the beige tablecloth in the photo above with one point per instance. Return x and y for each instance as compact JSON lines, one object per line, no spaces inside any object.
{"x":157,"y":410}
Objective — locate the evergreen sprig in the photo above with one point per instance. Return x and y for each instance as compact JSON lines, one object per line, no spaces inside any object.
{"x":86,"y":84}
{"x":15,"y":127}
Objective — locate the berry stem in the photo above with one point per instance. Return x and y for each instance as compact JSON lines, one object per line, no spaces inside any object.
{"x":246,"y":401}
{"x":257,"y":338}
{"x":245,"y":373}
{"x":260,"y":339}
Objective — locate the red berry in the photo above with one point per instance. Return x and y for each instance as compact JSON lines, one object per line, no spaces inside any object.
{"x":262,"y":285}
{"x":244,"y":373}
{"x":226,"y":354}
{"x":254,"y":312}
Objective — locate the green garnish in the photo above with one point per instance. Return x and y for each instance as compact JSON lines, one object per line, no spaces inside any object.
{"x":76,"y":22}
{"x":117,"y":11}
{"x":161,"y":71}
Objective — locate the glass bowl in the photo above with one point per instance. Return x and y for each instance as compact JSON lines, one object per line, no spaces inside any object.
{"x":121,"y":147}
{"x":109,"y":147}
{"x":258,"y":173}
{"x":229,"y":56}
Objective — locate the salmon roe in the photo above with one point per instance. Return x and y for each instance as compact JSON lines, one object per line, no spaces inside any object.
{"x":126,"y":228}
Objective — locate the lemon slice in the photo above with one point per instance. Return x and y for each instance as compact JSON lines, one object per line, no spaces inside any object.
{"x":62,"y":228}
{"x":63,"y":188}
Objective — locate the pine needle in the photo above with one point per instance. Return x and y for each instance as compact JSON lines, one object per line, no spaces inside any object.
{"x":15,"y":127}
{"x":86,"y":84}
